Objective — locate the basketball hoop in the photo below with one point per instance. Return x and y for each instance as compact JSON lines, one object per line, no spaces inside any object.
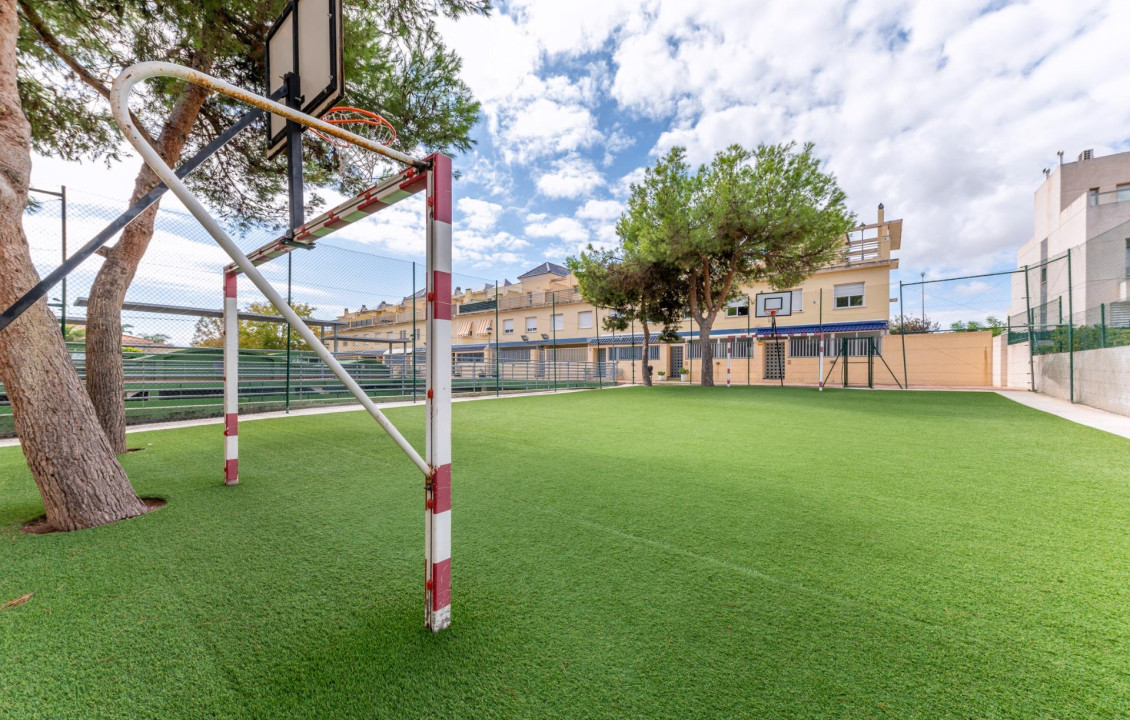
{"x":355,"y":162}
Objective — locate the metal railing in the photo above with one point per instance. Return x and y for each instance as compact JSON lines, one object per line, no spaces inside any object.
{"x":184,"y":383}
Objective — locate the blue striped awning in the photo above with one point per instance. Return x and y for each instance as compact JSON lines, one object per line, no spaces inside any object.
{"x":825,"y":328}
{"x":636,"y":339}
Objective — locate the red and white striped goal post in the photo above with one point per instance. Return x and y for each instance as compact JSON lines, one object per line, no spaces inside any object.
{"x":433,"y":175}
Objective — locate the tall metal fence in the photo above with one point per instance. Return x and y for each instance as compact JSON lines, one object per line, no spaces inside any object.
{"x":1032,"y":328}
{"x":172,"y":352}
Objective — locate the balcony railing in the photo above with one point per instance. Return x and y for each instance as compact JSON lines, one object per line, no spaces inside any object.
{"x":866,"y":250}
{"x":526,"y":300}
{"x":1108,"y":198}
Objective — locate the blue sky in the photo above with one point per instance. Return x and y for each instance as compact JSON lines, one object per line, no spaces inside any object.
{"x":944,"y":111}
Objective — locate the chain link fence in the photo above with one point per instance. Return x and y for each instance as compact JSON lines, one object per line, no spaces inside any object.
{"x":1054,"y":326}
{"x":172,"y":321}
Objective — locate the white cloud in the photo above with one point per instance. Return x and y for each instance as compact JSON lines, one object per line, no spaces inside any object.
{"x":482,"y":250}
{"x":563,"y":228}
{"x":600,"y":210}
{"x":477,"y":214}
{"x":572,"y":176}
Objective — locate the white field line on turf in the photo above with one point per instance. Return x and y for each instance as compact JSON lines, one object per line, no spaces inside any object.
{"x":354,"y":407}
{"x":864,"y":606}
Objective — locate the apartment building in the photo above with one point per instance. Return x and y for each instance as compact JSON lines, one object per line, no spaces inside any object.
{"x":1082,"y":207}
{"x":542,"y":318}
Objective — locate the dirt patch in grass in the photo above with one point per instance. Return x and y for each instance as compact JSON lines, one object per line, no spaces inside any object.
{"x":40,"y":526}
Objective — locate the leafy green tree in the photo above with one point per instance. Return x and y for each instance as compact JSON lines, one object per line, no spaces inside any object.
{"x":996,"y":325}
{"x":765,"y":215}
{"x":74,"y":333}
{"x":259,"y":334}
{"x":395,"y":63}
{"x":913,"y":324}
{"x":634,"y":288}
{"x":156,"y":338}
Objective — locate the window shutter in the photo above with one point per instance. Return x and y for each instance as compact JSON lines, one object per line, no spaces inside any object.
{"x":849,"y":290}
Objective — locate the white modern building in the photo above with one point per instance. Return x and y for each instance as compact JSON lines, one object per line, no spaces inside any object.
{"x":1082,"y":207}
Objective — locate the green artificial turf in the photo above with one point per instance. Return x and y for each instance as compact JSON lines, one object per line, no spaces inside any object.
{"x":668,"y":552}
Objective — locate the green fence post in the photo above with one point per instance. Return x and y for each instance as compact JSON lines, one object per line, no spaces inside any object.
{"x":870,"y":363}
{"x":553,"y":324}
{"x":1102,"y":324}
{"x":497,"y":365}
{"x":1070,"y":331}
{"x":413,"y":332}
{"x":63,"y":284}
{"x":599,"y":370}
{"x":902,"y":334}
{"x":633,"y":351}
{"x":749,"y":340}
{"x":289,"y":264}
{"x":1031,"y":336}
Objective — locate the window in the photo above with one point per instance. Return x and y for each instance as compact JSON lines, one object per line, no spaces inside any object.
{"x":1123,"y":190}
{"x":804,"y":346}
{"x":531,"y":324}
{"x":403,"y":334}
{"x":558,"y":322}
{"x":738,"y":308}
{"x":507,"y":327}
{"x":627,"y":352}
{"x":798,"y":301}
{"x":742,"y":348}
{"x":1093,"y":197}
{"x":584,"y":320}
{"x":849,"y":296}
{"x":1128,"y":257}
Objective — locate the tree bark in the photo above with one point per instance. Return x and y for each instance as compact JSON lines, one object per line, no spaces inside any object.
{"x":645,"y":366}
{"x":705,"y":325}
{"x":105,"y":379}
{"x":80,"y":480}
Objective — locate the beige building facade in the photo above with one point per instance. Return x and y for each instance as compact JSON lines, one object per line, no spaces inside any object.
{"x":542,"y":318}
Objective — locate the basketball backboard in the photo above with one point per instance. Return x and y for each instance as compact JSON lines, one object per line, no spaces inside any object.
{"x":319,"y":63}
{"x":774,"y":304}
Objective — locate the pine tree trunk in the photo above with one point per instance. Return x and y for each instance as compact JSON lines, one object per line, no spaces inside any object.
{"x":105,"y":379}
{"x":646,"y":368}
{"x":704,"y":328}
{"x":80,"y":480}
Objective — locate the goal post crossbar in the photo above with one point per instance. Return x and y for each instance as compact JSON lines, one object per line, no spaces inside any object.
{"x":404,"y":184}
{"x":436,"y":178}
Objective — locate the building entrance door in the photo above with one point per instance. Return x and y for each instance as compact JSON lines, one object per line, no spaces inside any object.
{"x":676,"y":352}
{"x":774,"y":361}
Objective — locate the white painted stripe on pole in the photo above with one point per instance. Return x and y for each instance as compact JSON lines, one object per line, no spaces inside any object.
{"x":231,"y":447}
{"x":231,"y":356}
{"x":119,"y":94}
{"x":442,"y":246}
{"x":441,"y":537}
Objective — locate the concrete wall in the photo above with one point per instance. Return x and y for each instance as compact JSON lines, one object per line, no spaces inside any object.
{"x":1101,"y":377}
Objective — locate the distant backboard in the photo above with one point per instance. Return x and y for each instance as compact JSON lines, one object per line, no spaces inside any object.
{"x":780,"y":302}
{"x":320,"y":60}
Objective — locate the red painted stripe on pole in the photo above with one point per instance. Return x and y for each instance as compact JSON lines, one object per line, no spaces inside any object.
{"x":441,"y":489}
{"x":336,"y":224}
{"x":231,"y":471}
{"x":230,"y":284}
{"x":414,"y":184}
{"x":441,"y":584}
{"x":441,"y":293}
{"x":441,"y":170}
{"x":371,"y":206}
{"x":231,"y":424}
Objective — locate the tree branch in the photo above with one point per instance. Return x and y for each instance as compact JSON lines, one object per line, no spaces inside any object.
{"x":85,"y":75}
